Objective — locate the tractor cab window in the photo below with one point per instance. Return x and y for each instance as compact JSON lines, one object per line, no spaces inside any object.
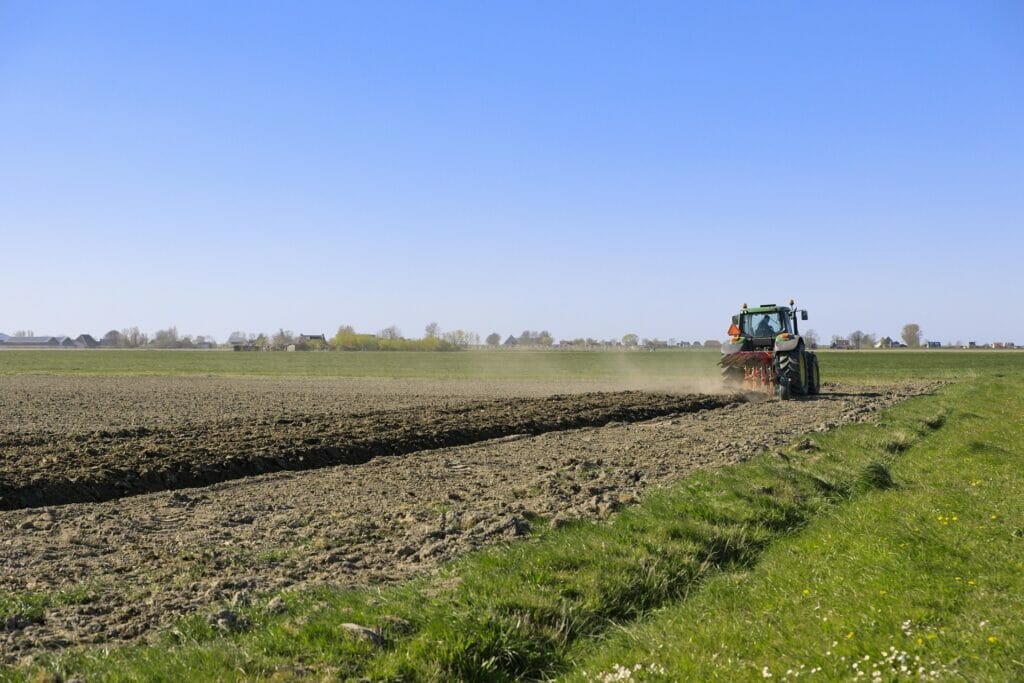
{"x":762,"y":324}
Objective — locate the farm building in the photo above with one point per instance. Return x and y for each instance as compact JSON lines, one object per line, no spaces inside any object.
{"x":86,"y":341}
{"x":39,"y":342}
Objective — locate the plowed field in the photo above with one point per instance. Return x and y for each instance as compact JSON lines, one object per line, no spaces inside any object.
{"x":313,"y":481}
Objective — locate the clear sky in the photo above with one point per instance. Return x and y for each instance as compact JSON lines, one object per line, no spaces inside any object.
{"x":589,"y":168}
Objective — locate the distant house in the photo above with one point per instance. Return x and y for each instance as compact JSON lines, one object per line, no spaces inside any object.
{"x":841,"y":344}
{"x":511,"y":341}
{"x":933,"y":344}
{"x":3,"y":337}
{"x":313,"y":338}
{"x":684,"y":345}
{"x":86,"y":341}
{"x":712,"y":344}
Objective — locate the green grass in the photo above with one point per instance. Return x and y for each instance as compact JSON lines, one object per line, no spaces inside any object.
{"x":801,"y":557}
{"x":924,"y":573}
{"x":845,"y":366}
{"x":484,"y":365}
{"x":496,"y":365}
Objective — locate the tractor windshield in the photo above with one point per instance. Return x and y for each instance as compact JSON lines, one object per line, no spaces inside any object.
{"x":762,"y":324}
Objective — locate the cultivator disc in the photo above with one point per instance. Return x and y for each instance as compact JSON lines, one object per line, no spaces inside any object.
{"x":758,"y":375}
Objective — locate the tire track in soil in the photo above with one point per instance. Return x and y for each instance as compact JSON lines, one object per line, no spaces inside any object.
{"x":46,"y":468}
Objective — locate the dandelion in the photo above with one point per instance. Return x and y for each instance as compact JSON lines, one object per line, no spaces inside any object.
{"x":994,"y":517}
{"x":849,"y":635}
{"x":993,"y":639}
{"x":807,"y":591}
{"x":882,"y":592}
{"x":970,"y":582}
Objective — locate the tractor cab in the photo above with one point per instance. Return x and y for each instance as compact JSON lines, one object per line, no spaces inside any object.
{"x":759,"y":326}
{"x":765,"y":324}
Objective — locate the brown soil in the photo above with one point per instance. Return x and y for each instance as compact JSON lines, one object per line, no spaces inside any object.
{"x":145,"y":560}
{"x":46,"y":467}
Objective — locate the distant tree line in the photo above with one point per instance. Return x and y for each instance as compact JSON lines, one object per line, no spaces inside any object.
{"x":910,"y":335}
{"x":348,"y":339}
{"x":133,"y":338}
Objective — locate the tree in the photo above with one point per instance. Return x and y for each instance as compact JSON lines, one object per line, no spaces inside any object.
{"x":811,"y":339}
{"x":868,"y":341}
{"x":433,"y":331}
{"x":166,"y":339}
{"x":391,"y":332}
{"x":545,"y":338}
{"x":282,"y":340}
{"x":911,"y":335}
{"x":112,"y":338}
{"x":493,"y":339}
{"x":133,"y":338}
{"x":630,"y":339}
{"x":856,"y":339}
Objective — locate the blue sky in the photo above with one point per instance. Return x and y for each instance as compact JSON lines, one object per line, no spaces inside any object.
{"x":588,"y":168}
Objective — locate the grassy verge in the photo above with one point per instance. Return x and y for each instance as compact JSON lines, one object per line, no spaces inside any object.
{"x":764,"y":564}
{"x":921,"y":580}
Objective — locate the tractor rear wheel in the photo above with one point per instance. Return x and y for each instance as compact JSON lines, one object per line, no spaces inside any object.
{"x":793,"y":367}
{"x":813,"y":375}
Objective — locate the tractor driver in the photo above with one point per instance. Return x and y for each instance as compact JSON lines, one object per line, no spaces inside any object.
{"x":764,"y":327}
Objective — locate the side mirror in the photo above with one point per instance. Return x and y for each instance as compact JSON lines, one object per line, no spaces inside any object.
{"x":736,"y":320}
{"x":803,"y":315}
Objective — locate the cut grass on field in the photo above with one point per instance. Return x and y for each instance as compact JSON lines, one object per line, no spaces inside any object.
{"x":902,"y":535}
{"x":688,"y":364}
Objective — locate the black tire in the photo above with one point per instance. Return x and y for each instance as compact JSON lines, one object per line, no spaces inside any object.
{"x":784,"y":390}
{"x":793,"y":366}
{"x":814,"y":375}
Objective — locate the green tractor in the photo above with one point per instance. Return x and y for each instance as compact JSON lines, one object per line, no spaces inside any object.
{"x":766,"y":353}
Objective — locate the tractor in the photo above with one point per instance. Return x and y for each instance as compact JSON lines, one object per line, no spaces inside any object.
{"x":765,"y":353}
